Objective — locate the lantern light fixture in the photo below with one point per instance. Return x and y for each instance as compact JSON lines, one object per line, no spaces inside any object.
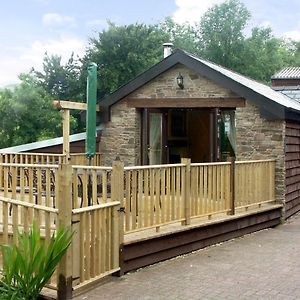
{"x":179,"y":81}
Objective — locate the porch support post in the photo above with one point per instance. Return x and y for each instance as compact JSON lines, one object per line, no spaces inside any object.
{"x":64,"y":204}
{"x":118,"y":195}
{"x":187,"y":190}
{"x":213,"y":143}
{"x":232,"y":186}
{"x":66,"y":133}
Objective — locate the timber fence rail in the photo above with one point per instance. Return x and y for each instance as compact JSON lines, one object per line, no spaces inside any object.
{"x":49,"y":158}
{"x":154,"y":196}
{"x":102,"y":204}
{"x":163,"y":194}
{"x":254,"y":183}
{"x":91,"y":185}
{"x":210,"y":188}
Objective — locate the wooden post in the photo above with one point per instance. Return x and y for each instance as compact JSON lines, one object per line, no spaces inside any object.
{"x":76,"y":249}
{"x":66,"y":133}
{"x":118,"y":220}
{"x":64,"y":204}
{"x":187,"y":190}
{"x":232,"y":186}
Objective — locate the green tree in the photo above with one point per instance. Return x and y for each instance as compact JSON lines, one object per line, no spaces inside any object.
{"x":266,"y":53}
{"x":183,"y":36}
{"x":221,"y":33}
{"x":60,"y":80}
{"x":122,"y":52}
{"x":27,"y":114}
{"x":7,"y":116}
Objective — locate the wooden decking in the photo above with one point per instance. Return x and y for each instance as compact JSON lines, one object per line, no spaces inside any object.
{"x":198,"y":222}
{"x":144,"y":248}
{"x":125,"y":218}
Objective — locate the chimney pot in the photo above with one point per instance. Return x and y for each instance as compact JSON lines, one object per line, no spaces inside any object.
{"x":167,"y":49}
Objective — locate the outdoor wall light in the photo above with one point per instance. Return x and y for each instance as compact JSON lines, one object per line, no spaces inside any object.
{"x":179,"y":80}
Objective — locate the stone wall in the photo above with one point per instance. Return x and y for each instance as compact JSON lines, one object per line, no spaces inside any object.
{"x":258,"y":138}
{"x":195,"y":86}
{"x":121,"y":136}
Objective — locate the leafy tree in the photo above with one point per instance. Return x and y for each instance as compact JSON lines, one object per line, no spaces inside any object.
{"x":221,"y":32}
{"x":266,"y":53}
{"x":122,"y":52}
{"x":27,"y":114}
{"x":62,"y":81}
{"x":6,"y":118}
{"x":183,"y":36}
{"x":58,"y":80}
{"x":295,"y":48}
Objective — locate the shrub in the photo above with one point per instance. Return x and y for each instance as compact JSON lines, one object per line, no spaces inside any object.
{"x":29,"y":265}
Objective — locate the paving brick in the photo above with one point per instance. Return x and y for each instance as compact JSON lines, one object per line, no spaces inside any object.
{"x":263,"y":265}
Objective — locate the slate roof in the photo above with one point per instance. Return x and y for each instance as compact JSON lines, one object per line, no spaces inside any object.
{"x":272,"y":104}
{"x":288,"y":73}
{"x":292,"y":92}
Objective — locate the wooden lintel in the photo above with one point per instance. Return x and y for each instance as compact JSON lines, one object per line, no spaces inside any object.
{"x":186,"y":102}
{"x":61,"y":104}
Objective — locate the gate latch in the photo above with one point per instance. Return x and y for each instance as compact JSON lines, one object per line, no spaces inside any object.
{"x":121,"y":209}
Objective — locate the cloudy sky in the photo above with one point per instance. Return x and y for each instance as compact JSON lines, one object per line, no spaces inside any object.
{"x":29,"y":28}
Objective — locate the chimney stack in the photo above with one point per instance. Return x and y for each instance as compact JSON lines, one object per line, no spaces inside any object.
{"x":167,"y":49}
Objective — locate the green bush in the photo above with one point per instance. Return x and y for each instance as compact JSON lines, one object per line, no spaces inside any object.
{"x":29,"y":265}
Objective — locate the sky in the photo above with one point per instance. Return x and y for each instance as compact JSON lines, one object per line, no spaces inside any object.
{"x":29,"y":28}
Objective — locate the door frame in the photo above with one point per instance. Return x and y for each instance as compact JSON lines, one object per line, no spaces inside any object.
{"x":146,"y":137}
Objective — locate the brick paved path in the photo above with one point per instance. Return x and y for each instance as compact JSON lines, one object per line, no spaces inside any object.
{"x":263,"y":265}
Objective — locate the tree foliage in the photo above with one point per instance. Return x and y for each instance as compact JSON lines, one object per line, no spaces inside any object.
{"x":27,"y":114}
{"x":183,"y":36}
{"x":221,"y":33}
{"x":123,"y":52}
{"x":60,"y":80}
{"x":266,"y":53}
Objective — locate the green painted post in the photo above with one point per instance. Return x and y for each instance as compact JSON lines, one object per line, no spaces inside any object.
{"x":90,"y":144}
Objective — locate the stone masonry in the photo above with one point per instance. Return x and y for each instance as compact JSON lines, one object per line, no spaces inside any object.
{"x":195,"y":86}
{"x":258,"y":138}
{"x":122,"y":134}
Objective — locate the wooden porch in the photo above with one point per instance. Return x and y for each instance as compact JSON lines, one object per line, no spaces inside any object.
{"x":125,"y":218}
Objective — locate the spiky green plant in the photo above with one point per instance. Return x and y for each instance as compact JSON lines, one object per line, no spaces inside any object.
{"x":29,"y":265}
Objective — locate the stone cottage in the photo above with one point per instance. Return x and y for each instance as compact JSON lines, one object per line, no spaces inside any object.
{"x":185,"y":106}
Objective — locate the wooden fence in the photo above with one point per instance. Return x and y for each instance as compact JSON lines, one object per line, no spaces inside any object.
{"x":51,"y":195}
{"x":101,"y":204}
{"x":48,"y":158}
{"x":164,"y":194}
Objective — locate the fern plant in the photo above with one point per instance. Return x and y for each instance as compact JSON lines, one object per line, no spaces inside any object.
{"x":29,"y":265}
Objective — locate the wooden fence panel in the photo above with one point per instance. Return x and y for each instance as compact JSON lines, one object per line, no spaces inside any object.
{"x":49,"y":158}
{"x":91,"y":185}
{"x":210,"y":188}
{"x":255,"y":183}
{"x":153,"y":196}
{"x":95,"y":242}
{"x":16,"y":217}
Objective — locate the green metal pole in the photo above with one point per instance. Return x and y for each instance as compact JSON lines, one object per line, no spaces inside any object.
{"x":90,"y":145}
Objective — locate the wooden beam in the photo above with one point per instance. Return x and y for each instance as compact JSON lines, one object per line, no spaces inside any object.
{"x":66,"y":132}
{"x":60,"y":104}
{"x":186,"y":102}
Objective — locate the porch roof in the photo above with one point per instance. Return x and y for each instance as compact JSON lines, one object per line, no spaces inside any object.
{"x":272,"y":104}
